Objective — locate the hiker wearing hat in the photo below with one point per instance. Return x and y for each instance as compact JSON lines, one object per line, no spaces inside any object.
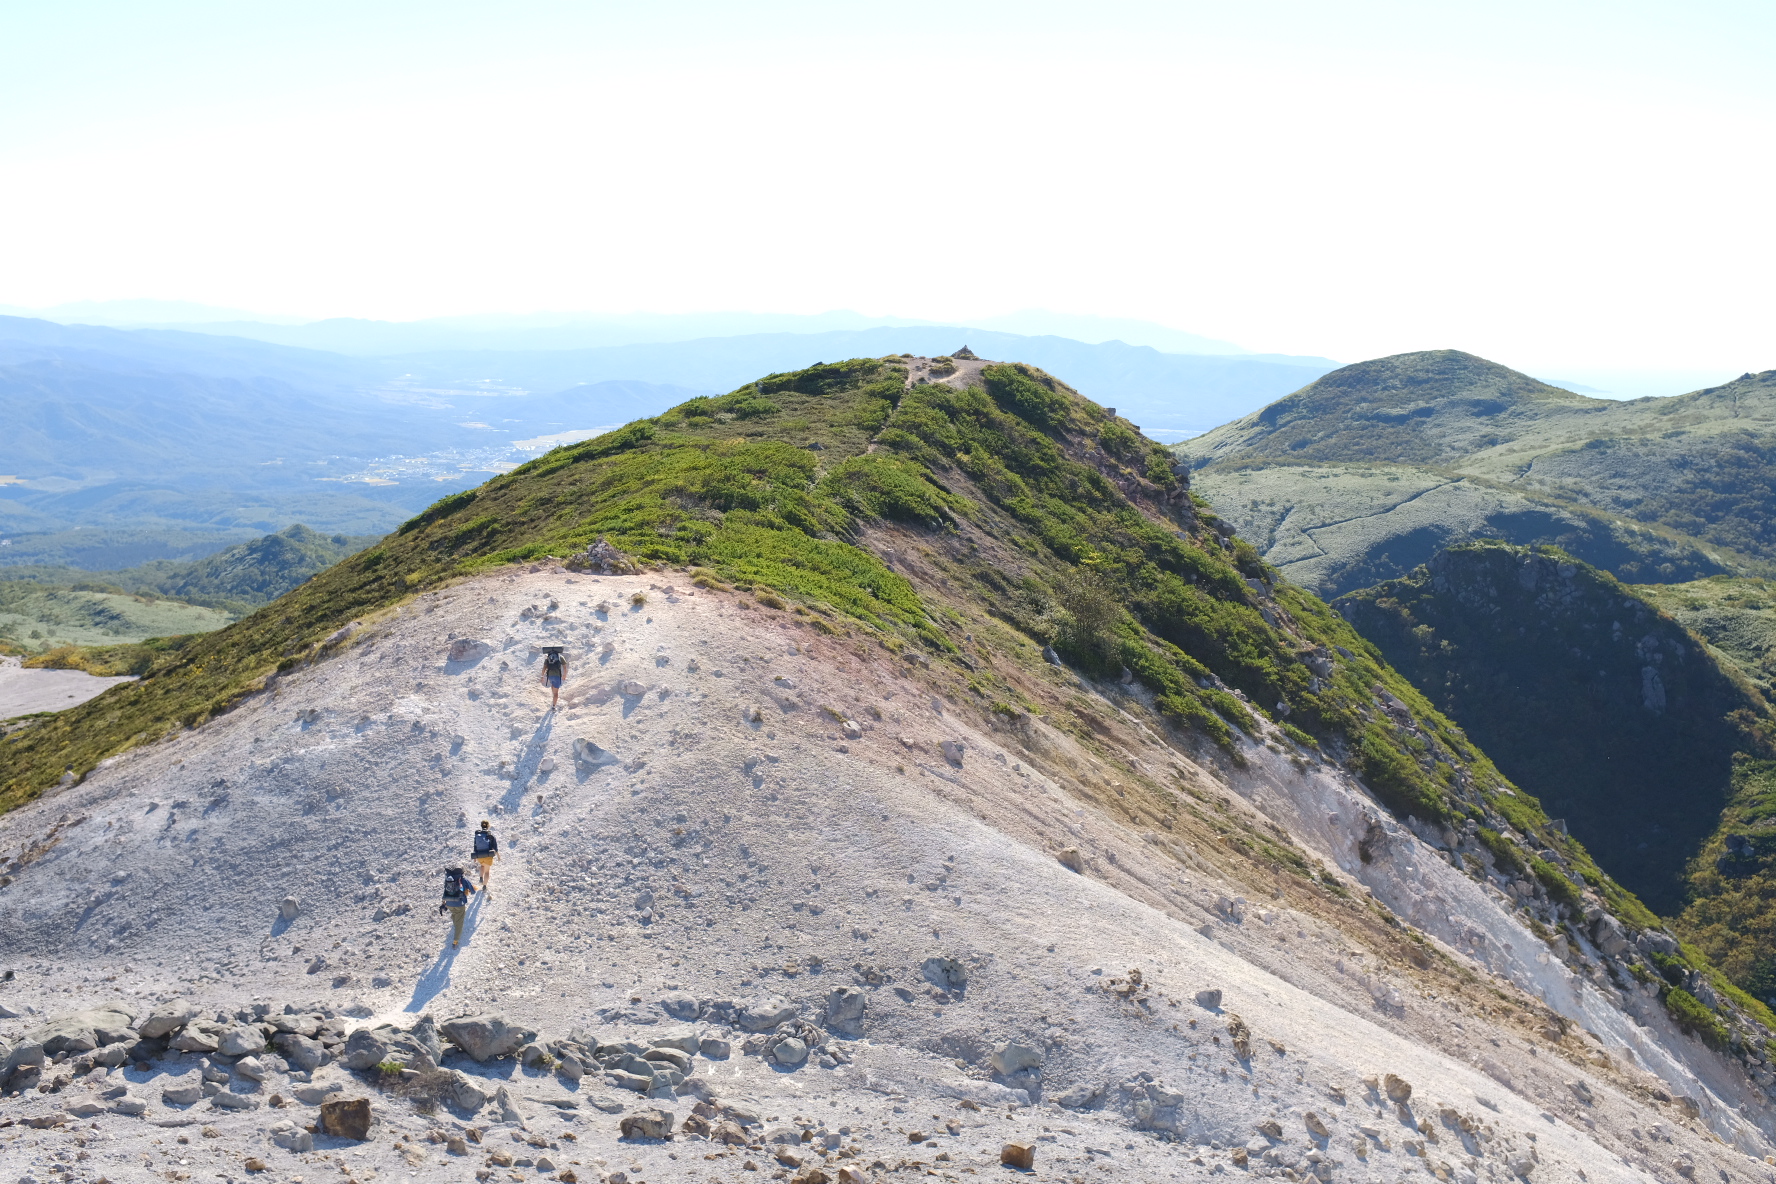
{"x":554,"y":671}
{"x":486,"y":851}
{"x":457,"y":891}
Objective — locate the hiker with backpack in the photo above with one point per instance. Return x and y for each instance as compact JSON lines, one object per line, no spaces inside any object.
{"x":457,"y":891}
{"x":486,"y":851}
{"x":554,"y":672}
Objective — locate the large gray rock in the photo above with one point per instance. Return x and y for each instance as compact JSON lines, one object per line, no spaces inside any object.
{"x":844,"y":1009}
{"x":241,"y":1040}
{"x":761,"y":1015}
{"x":646,"y":1124}
{"x":468,"y":1092}
{"x":113,"y":1055}
{"x":196,"y":1037}
{"x":486,"y":1037}
{"x":679,"y":1005}
{"x":129,"y":1105}
{"x":229,"y":1100}
{"x":508,"y":1109}
{"x":307,"y":1055}
{"x":1013,"y":1057}
{"x":252,"y":1069}
{"x":78,"y":1032}
{"x":186,"y":1093}
{"x":684,"y":1040}
{"x":25,"y":1053}
{"x":167,"y":1019}
{"x":366,"y":1049}
{"x":291,"y":1137}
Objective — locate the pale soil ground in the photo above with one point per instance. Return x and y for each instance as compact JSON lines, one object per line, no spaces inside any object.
{"x":676,"y":867}
{"x":25,"y":691}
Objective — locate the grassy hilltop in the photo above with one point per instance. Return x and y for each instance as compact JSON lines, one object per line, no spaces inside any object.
{"x":1368,"y":471}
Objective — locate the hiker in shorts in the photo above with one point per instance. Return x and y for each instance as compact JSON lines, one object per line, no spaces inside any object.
{"x":486,"y":851}
{"x":457,"y":891}
{"x":554,"y":671}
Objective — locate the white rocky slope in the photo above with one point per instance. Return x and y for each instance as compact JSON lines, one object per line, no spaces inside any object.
{"x":732,"y":841}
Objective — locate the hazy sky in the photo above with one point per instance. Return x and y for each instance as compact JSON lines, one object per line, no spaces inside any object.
{"x":1549,"y":184}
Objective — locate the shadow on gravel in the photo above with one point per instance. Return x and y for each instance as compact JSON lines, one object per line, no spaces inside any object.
{"x":526,"y":771}
{"x":437,"y":975}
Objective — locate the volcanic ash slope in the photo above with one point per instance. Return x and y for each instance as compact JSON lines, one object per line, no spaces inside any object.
{"x":765,"y":817}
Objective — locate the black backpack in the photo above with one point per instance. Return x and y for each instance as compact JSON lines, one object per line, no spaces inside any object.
{"x":456,"y":889}
{"x":553,"y":663}
{"x":483,"y":842}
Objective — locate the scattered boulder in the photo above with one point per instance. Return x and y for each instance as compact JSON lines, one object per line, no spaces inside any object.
{"x":188,"y":1093}
{"x":1397,"y":1089}
{"x":76,"y":1033}
{"x":131,"y":1106}
{"x":365,"y":1049}
{"x":346,"y":1118}
{"x":851,"y":729}
{"x":569,"y":1067}
{"x":467,"y":1094}
{"x":715,"y":1049}
{"x":314,"y":1095}
{"x":945,"y":973}
{"x":241,"y":1041}
{"x":1019,"y":1155}
{"x":761,"y":1015}
{"x":486,"y":1037}
{"x":229,"y":1100}
{"x":289,"y":908}
{"x":1210,"y":998}
{"x":291,"y":1137}
{"x":1014,"y":1057}
{"x":508,"y":1110}
{"x":646,"y":1124}
{"x":680,"y":1005}
{"x":167,"y":1019}
{"x":631,"y":688}
{"x":1316,"y":1124}
{"x":790,"y":1052}
{"x":1071,"y":859}
{"x":953,"y":751}
{"x":195,"y":1038}
{"x":844,"y":1009}
{"x":307,"y":1055}
{"x":1079,"y":1097}
{"x":252,"y":1069}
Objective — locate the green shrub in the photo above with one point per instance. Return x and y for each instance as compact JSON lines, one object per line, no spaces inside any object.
{"x":1560,"y":889}
{"x":1690,"y":1015}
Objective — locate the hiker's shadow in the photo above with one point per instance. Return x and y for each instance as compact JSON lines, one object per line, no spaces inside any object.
{"x":437,"y":975}
{"x":526,"y":771}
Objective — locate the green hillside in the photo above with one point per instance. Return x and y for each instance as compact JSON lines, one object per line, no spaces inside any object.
{"x":1056,"y":515}
{"x":35,"y":617}
{"x":1735,"y":616}
{"x":1655,"y":490}
{"x":1047,"y":522}
{"x":1616,"y":717}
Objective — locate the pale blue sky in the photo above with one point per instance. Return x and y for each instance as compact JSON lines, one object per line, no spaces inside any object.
{"x":1555,"y":185}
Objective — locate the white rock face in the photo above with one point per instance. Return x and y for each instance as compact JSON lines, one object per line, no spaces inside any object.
{"x":905,"y":912}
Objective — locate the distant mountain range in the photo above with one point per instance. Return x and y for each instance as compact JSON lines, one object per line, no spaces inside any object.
{"x":1371,"y":469}
{"x":128,"y":445}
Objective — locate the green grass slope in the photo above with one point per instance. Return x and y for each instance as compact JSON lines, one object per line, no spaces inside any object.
{"x":36,"y":617}
{"x":1092,"y":544}
{"x":1616,"y":717}
{"x":1038,"y":518}
{"x":1663,"y":490}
